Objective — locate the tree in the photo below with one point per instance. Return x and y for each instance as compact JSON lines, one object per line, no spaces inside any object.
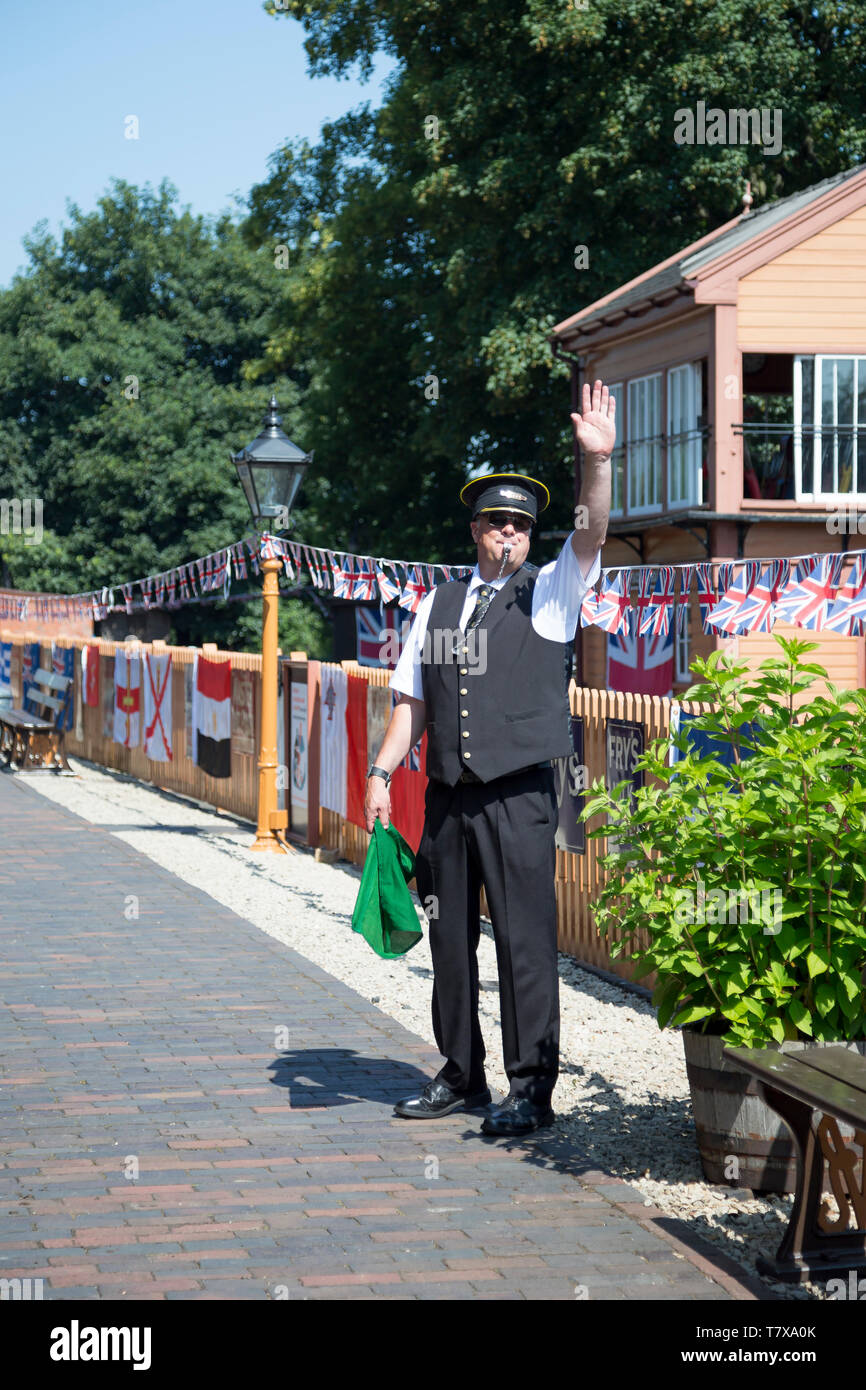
{"x":437,"y":235}
{"x":122,"y":395}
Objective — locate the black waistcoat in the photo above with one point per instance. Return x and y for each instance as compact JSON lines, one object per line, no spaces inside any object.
{"x":500,"y":703}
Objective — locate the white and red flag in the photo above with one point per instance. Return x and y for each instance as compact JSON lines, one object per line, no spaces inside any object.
{"x":157,"y":707}
{"x":127,"y":698}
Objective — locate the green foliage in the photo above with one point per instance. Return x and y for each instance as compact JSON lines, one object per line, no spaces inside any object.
{"x":450,"y":252}
{"x":788,"y":817}
{"x":122,"y":394}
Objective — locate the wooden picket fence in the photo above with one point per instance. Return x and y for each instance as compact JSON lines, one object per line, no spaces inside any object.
{"x":578,"y":876}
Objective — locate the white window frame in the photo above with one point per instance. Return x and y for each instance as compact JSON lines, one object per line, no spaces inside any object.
{"x":685,"y":379}
{"x":644,"y":445}
{"x":807,"y":462}
{"x":617,"y":462}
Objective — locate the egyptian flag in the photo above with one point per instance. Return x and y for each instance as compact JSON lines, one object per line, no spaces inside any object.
{"x":212,"y":716}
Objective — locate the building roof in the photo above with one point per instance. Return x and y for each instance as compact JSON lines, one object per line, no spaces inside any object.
{"x":669,"y":278}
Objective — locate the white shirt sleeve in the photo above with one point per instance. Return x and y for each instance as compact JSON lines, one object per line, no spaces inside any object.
{"x":407,"y":674}
{"x":559,"y":591}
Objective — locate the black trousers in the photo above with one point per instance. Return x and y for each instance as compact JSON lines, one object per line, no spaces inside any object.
{"x":501,"y":834}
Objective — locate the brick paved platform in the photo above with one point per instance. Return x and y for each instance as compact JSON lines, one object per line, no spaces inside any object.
{"x":161,"y":1138}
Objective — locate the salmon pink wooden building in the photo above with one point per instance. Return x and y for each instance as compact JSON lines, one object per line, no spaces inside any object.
{"x":739,"y":367}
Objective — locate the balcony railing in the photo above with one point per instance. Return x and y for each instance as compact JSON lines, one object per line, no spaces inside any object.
{"x":785,"y":463}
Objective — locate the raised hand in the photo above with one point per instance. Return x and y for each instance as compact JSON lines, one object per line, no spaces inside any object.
{"x":595,"y":428}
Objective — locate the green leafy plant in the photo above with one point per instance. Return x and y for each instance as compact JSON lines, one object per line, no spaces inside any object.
{"x":743,"y":884}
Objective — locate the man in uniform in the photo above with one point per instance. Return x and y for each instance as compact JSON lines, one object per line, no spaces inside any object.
{"x":484,"y":672}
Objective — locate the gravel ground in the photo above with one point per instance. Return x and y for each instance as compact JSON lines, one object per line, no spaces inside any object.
{"x":622,"y":1095}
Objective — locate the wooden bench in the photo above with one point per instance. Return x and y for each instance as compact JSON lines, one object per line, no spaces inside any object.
{"x":813,"y":1090}
{"x":32,"y":742}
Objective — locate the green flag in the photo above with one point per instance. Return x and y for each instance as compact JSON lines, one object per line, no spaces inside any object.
{"x":384,"y":912}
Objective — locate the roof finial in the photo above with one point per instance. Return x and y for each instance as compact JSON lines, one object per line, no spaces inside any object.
{"x":747,"y":199}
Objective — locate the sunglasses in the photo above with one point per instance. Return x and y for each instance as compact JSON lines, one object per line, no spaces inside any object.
{"x":499,"y":519}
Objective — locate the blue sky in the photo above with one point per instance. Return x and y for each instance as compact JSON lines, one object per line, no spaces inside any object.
{"x":217,"y":85}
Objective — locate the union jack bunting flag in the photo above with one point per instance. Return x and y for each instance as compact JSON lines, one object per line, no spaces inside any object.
{"x":848,"y":614}
{"x":588,"y":615}
{"x":388,"y":586}
{"x":147,"y":592}
{"x":240,"y":560}
{"x":613,"y":611}
{"x":760,"y":605}
{"x":364,"y":586}
{"x":126,"y":590}
{"x":413,"y":591}
{"x":728,"y":614}
{"x":368,"y":626}
{"x":430,"y":572}
{"x":172,"y":588}
{"x":643,"y":665}
{"x":159,"y":589}
{"x":254,"y":556}
{"x":657,"y":618}
{"x":344,"y":578}
{"x":184,"y":586}
{"x":809,"y":597}
{"x":324,"y":562}
{"x":706,"y":591}
{"x":312,"y":566}
{"x":643,"y":599}
{"x":681,"y":599}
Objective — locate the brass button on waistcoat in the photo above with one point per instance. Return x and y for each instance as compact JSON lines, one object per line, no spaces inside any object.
{"x":464,"y":713}
{"x":465,"y":733}
{"x":464,"y":691}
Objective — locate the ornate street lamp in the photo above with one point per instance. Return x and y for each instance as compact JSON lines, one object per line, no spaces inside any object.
{"x":271,"y":470}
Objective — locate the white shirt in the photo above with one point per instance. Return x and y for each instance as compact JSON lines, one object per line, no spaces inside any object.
{"x":556,"y":599}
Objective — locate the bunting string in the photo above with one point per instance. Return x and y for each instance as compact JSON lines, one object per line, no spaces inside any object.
{"x":818,"y":591}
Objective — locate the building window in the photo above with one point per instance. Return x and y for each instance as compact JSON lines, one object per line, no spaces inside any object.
{"x":644,"y":444}
{"x":681,"y":650}
{"x":684,"y":436}
{"x":617,"y":460}
{"x":830,"y":427}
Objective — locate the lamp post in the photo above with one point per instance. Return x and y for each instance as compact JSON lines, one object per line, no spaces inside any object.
{"x":271,"y":470}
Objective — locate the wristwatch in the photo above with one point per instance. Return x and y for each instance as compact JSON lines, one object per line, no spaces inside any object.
{"x":379,"y":772}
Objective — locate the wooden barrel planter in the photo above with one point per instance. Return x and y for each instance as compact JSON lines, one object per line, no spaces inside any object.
{"x":732,"y":1121}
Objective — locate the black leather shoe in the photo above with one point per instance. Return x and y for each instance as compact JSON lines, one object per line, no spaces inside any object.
{"x":438,"y":1099}
{"x":517,"y":1115}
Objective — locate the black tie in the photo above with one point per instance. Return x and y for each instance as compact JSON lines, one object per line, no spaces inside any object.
{"x":483,"y":600}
